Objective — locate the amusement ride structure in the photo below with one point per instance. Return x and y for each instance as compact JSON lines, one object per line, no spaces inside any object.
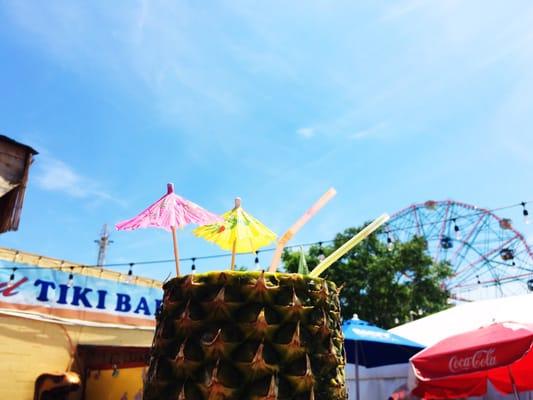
{"x":488,"y":255}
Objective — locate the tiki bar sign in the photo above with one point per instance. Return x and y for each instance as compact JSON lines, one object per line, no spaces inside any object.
{"x":56,"y":294}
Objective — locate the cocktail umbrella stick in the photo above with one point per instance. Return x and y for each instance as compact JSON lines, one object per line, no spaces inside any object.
{"x":176,"y":251}
{"x":233,"y":254}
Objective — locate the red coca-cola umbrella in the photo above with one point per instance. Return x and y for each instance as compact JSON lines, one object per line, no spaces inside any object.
{"x":461,"y":365}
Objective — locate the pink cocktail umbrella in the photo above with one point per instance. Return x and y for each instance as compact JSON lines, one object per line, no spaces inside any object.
{"x":169,"y":213}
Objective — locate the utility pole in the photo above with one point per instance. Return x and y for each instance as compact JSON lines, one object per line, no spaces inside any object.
{"x":103,"y":242}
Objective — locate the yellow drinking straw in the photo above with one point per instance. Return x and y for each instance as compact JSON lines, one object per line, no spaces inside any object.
{"x":346,"y":247}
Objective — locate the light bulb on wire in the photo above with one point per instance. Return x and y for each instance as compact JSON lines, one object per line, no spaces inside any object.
{"x":70,"y":281}
{"x":193,"y":266}
{"x":256,"y":261}
{"x":12,"y":277}
{"x":129,"y":278}
{"x":456,"y":230}
{"x":390,"y":243}
{"x":525,"y":213}
{"x":321,"y":257}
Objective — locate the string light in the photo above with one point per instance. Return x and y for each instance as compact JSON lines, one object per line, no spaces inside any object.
{"x":193,"y":266}
{"x":525,"y":213}
{"x":456,"y":230}
{"x":256,"y":261}
{"x":390,"y":243}
{"x":321,"y":257}
{"x":12,"y":277}
{"x":129,"y":278}
{"x":70,"y":281}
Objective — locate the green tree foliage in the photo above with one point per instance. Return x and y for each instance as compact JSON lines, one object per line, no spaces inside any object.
{"x":384,"y":287}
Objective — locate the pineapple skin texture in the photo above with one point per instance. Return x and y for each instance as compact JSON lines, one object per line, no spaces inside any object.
{"x":247,"y":336}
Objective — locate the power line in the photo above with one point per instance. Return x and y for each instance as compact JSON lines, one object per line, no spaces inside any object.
{"x":171,"y":260}
{"x":317,"y":243}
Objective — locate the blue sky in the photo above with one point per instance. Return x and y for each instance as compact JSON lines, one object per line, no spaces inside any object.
{"x":389,"y":102}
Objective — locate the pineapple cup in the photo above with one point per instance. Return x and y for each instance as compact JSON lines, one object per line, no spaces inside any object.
{"x":247,"y":335}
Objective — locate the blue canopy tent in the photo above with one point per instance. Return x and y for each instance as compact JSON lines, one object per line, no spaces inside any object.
{"x":370,"y":346}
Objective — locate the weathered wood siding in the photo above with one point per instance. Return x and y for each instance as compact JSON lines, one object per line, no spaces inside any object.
{"x":15,"y":162}
{"x":12,"y":165}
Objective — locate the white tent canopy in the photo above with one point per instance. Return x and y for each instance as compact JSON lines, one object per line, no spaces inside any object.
{"x":376,"y":383}
{"x":379,"y":383}
{"x":467,"y":317}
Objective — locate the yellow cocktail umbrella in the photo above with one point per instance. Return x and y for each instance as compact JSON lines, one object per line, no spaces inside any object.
{"x":239,"y":232}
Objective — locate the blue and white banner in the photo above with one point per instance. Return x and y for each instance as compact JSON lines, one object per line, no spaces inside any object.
{"x":50,"y":293}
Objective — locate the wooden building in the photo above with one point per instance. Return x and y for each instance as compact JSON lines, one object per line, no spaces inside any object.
{"x":15,"y":162}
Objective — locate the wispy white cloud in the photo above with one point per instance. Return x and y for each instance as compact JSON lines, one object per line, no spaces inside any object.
{"x":372,"y":131}
{"x":57,"y":176}
{"x":348,"y":125}
{"x":402,"y":9}
{"x":188,"y":69}
{"x":306,"y":133}
{"x":148,"y":49}
{"x":141,"y":20}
